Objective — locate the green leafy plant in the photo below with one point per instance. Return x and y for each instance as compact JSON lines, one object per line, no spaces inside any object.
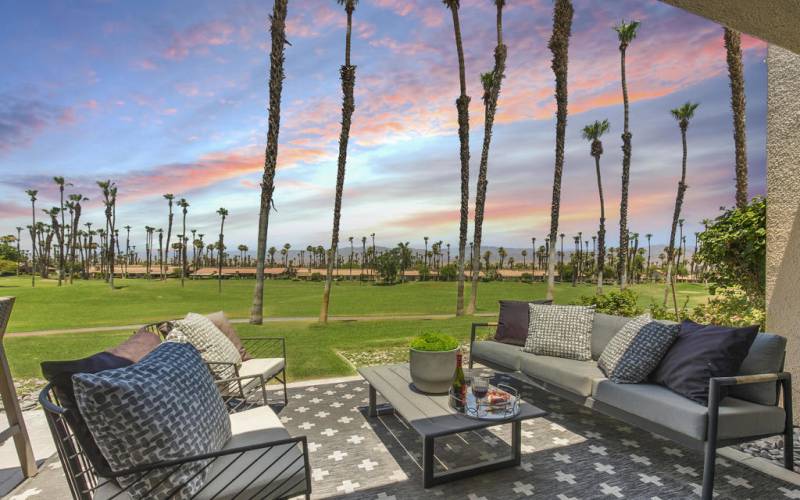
{"x":388,"y":266}
{"x":433,"y":341}
{"x":733,"y":249}
{"x":526,"y":278}
{"x":731,"y":306}
{"x":624,"y":303}
{"x":448,"y":272}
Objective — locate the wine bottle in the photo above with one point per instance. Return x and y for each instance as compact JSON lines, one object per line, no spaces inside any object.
{"x":459,"y":384}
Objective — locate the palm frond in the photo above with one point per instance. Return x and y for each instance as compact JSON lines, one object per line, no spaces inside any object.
{"x":626,"y":30}
{"x":595,"y":130}
{"x":685,"y":112}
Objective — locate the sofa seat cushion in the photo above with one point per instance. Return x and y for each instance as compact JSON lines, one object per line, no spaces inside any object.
{"x":267,"y":367}
{"x":502,"y":355}
{"x":255,"y":426}
{"x":655,"y":403}
{"x":578,"y":377}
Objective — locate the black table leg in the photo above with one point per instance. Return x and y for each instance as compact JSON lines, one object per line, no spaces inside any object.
{"x":373,"y":398}
{"x":427,"y":462}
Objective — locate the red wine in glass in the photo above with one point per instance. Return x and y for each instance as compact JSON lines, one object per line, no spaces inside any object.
{"x":480,"y":387}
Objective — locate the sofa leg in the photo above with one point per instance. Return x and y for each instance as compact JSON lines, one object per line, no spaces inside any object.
{"x":709,"y":464}
{"x":285,"y":392}
{"x":788,"y":433}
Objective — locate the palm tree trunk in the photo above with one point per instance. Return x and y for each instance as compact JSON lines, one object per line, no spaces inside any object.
{"x":626,"y":176}
{"x":498,"y":73}
{"x":733,"y":46}
{"x":601,"y":234}
{"x":276,"y":77}
{"x":559,"y":46}
{"x":348,"y":76}
{"x":675,"y":216}
{"x":462,"y":105}
{"x":165,"y":254}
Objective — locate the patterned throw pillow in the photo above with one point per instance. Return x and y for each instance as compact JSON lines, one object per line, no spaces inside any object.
{"x":636,"y":350}
{"x":164,"y":407}
{"x":213,"y":345}
{"x":560,"y":331}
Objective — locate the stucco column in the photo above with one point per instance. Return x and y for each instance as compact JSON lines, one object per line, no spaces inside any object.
{"x":783,"y":205}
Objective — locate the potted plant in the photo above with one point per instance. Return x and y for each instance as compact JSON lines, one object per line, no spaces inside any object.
{"x":432,"y":361}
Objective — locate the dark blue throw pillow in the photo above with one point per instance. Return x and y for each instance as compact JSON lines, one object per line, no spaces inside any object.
{"x":701,"y":352}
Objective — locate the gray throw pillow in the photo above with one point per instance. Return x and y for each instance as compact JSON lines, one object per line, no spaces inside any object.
{"x":636,"y":350}
{"x":164,"y":407}
{"x":560,"y":331}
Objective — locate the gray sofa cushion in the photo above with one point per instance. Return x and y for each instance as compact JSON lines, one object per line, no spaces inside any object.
{"x":503,"y":355}
{"x":765,"y":356}
{"x":737,"y":418}
{"x":604,"y":327}
{"x":578,"y":377}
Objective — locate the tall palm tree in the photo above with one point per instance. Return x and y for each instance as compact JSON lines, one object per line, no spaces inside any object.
{"x":75,"y":200}
{"x":160,"y":252}
{"x":184,"y":208}
{"x":491,"y":82}
{"x":223,"y":213}
{"x":19,"y":237}
{"x":683,"y":115}
{"x":32,"y":195}
{"x":592,"y":133}
{"x":169,"y":197}
{"x":348,"y":76}
{"x":462,"y":106}
{"x":61,"y":259}
{"x":559,"y":46}
{"x":276,"y":77}
{"x":285,"y":252}
{"x":733,"y":48}
{"x":649,"y":237}
{"x":626,"y":32}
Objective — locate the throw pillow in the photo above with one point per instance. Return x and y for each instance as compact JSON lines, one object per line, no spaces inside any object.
{"x":59,"y":373}
{"x":164,"y":407}
{"x":512,"y":325}
{"x":560,"y":331}
{"x":137,"y":346}
{"x":213,"y":345}
{"x":221,"y":321}
{"x":701,"y":352}
{"x":636,"y":350}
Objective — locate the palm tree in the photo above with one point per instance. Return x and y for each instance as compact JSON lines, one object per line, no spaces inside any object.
{"x":32,"y":195}
{"x":592,"y":133}
{"x":491,"y":83}
{"x":348,"y":76}
{"x":285,"y":252}
{"x":19,"y":237}
{"x":169,"y":197}
{"x":363,"y":256}
{"x":501,"y":252}
{"x":649,"y":236}
{"x":559,"y":46}
{"x":626,"y":32}
{"x":161,"y":252}
{"x":272,"y":251}
{"x":184,"y":207}
{"x":524,"y":254}
{"x":276,"y":76}
{"x":733,"y":48}
{"x":683,"y":115}
{"x":462,"y":106}
{"x":60,"y":183}
{"x":223,"y":213}
{"x":75,"y":202}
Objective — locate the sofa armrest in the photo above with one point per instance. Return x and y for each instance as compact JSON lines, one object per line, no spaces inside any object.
{"x":474,"y":330}
{"x":751,"y":379}
{"x":242,"y":458}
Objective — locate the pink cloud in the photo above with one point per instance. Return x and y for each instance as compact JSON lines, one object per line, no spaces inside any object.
{"x":198,"y":38}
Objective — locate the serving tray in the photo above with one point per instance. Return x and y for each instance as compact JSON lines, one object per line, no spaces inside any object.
{"x":483,"y":410}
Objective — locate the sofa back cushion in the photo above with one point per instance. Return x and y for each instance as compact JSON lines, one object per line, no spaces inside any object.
{"x":604,"y":327}
{"x":766,"y":355}
{"x":209,"y":340}
{"x":512,"y":325}
{"x":164,"y":407}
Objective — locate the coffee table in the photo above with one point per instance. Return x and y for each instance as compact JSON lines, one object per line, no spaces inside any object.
{"x":432,"y":417}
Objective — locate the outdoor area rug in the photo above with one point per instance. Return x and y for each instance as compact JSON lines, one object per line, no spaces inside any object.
{"x":572,"y":453}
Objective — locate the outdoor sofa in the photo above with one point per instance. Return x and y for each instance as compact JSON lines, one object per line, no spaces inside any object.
{"x":657,"y":409}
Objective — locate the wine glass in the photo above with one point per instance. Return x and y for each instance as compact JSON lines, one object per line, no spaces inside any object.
{"x":480,"y":387}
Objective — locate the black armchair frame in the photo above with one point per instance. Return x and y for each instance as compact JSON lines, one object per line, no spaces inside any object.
{"x":84,"y":482}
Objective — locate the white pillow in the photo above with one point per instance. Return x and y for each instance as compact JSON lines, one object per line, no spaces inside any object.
{"x":560,"y":331}
{"x":213,"y":345}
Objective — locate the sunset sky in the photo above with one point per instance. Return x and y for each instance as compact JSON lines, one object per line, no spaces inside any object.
{"x":171,"y":97}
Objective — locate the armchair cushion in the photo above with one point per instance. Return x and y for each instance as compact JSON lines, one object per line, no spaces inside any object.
{"x":221,"y":321}
{"x":267,"y":367}
{"x":164,"y":407}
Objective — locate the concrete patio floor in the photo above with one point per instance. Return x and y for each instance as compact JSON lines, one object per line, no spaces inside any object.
{"x":573,"y":453}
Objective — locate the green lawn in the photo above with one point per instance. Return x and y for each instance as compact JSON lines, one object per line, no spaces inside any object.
{"x":136,"y":301}
{"x":311,"y":347}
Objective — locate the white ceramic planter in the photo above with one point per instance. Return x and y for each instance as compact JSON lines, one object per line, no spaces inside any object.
{"x":432,"y":371}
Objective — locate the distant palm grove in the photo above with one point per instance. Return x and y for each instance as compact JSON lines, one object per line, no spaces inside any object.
{"x":65,"y":246}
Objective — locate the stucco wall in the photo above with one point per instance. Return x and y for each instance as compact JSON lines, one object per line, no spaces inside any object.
{"x":783,"y":205}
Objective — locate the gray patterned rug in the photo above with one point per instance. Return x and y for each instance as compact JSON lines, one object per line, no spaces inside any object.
{"x":573,"y":453}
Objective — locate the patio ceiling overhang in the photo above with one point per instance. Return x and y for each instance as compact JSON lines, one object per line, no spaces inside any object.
{"x":774,"y":21}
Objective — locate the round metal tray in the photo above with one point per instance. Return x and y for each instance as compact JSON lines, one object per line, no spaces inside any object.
{"x":483,"y":410}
